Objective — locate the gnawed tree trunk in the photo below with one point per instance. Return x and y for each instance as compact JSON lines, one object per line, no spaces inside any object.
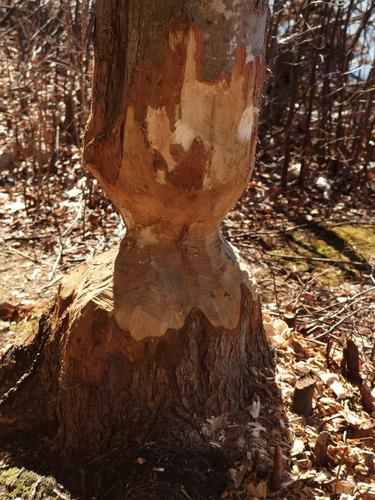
{"x":151,"y":338}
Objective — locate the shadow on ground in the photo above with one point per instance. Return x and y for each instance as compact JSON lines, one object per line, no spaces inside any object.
{"x":32,"y":469}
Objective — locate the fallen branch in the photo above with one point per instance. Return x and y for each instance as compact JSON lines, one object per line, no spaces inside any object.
{"x":319,"y":259}
{"x":22,"y":254}
{"x":338,"y":323}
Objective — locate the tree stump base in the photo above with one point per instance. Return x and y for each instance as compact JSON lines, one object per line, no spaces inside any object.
{"x":105,"y":390}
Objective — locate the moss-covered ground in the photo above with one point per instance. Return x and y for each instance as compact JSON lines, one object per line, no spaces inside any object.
{"x":20,"y":483}
{"x":336,"y":254}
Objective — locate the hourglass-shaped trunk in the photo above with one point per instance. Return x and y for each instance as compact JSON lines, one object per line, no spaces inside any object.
{"x":171,"y":138}
{"x":162,"y":332}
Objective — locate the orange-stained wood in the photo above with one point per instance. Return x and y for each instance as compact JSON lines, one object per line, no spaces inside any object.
{"x":187,"y":154}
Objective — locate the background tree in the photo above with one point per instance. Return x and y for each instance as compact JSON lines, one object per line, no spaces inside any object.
{"x":316,"y":115}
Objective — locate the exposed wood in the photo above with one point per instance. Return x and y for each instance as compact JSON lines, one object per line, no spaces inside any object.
{"x":290,"y":319}
{"x":175,"y":152}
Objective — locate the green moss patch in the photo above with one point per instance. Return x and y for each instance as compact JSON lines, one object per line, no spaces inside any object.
{"x":347,"y":249}
{"x":17,"y":483}
{"x":20,"y":483}
{"x":361,"y":238}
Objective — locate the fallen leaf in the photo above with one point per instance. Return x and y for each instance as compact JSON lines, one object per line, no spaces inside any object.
{"x":257,"y":490}
{"x":213,"y":425}
{"x":333,"y":382}
{"x":346,"y":486}
{"x":365,"y":491}
{"x":298,"y":447}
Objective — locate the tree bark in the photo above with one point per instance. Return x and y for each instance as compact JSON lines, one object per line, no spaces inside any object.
{"x":149,"y":339}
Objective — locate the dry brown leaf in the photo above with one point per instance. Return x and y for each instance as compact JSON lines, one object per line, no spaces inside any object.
{"x":8,"y":311}
{"x":214,"y":424}
{"x":356,"y":419}
{"x":257,"y":490}
{"x":346,"y":486}
{"x":238,"y":476}
{"x":324,"y":476}
{"x":365,"y":491}
{"x":329,"y":406}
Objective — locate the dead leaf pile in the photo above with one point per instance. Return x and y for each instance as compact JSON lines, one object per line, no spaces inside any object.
{"x":280,"y":454}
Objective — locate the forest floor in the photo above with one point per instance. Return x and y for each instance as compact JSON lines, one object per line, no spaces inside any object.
{"x":313,"y":258}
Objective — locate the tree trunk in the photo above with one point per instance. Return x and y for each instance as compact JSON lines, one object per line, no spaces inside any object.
{"x":149,"y":339}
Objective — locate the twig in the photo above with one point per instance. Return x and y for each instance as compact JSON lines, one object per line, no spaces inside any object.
{"x":35,"y":489}
{"x":51,"y":283}
{"x":341,"y":462}
{"x":56,"y":263}
{"x":338,"y":323}
{"x":60,"y":495}
{"x":306,"y":284}
{"x":351,"y":223}
{"x":22,"y":254}
{"x":320,"y":259}
{"x":70,"y":228}
{"x":334,"y":314}
{"x":26,"y":238}
{"x":273,"y":282}
{"x":349,"y":300}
